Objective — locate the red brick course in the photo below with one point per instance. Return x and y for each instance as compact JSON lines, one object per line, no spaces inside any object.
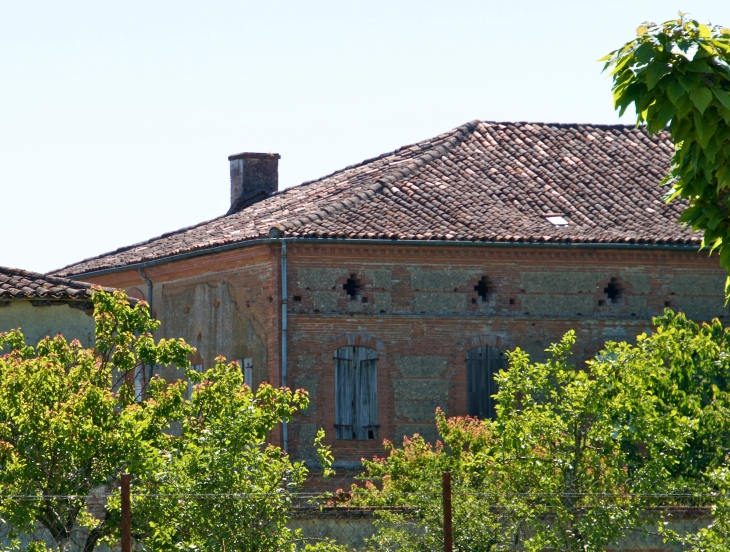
{"x":518,"y":277}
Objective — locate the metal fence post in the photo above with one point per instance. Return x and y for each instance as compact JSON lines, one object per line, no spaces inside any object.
{"x":126,"y":515}
{"x":448,"y":535}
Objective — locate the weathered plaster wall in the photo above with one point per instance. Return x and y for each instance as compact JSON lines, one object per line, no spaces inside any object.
{"x":223,"y":304}
{"x":207,"y":315}
{"x":38,"y":322}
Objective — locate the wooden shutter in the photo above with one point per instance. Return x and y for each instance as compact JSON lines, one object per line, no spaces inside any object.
{"x":356,"y":393}
{"x":367,"y":394}
{"x":345,"y":372}
{"x":482,"y":363}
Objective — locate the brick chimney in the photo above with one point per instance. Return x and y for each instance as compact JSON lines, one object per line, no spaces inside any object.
{"x":254,"y":176}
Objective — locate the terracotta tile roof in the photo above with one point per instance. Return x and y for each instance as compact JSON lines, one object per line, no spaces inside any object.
{"x":482,"y":181}
{"x":22,"y":284}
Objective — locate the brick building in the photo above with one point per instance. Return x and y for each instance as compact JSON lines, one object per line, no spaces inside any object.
{"x":395,"y":285}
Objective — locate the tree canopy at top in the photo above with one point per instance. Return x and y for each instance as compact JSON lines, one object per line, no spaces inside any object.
{"x":677,"y":76}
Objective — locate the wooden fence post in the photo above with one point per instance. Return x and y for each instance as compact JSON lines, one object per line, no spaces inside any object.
{"x":448,"y":534}
{"x":126,"y":515}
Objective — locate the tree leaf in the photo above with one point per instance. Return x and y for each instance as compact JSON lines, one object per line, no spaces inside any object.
{"x":724,"y":113}
{"x":675,"y":91}
{"x":723,"y":177}
{"x":698,"y":66}
{"x":688,"y":82}
{"x":701,"y":97}
{"x":722,"y":96}
{"x":655,"y":72}
{"x":684,"y":106}
{"x":684,"y":49}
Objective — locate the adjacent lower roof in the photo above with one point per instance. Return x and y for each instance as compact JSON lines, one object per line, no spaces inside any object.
{"x":481,"y":182}
{"x":22,"y":284}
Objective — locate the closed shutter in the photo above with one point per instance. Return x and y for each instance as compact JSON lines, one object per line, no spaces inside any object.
{"x":356,"y":393}
{"x":367,"y":394}
{"x":345,"y":373}
{"x":482,"y":363}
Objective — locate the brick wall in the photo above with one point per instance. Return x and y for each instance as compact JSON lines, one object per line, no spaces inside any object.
{"x":225,"y":304}
{"x":421,"y":308}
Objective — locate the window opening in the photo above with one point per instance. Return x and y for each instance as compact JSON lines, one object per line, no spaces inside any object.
{"x":557,"y":221}
{"x":247,"y":370}
{"x":613,"y":290}
{"x":352,"y":286}
{"x":482,"y":363}
{"x":139,"y":383}
{"x":356,"y":393}
{"x":482,"y":288}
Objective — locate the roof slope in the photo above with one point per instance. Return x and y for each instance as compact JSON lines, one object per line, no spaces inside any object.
{"x":482,"y":181}
{"x":22,"y":284}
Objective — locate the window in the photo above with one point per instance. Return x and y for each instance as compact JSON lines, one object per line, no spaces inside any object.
{"x":352,"y":287}
{"x":247,"y":369}
{"x":482,"y":288}
{"x":482,"y":363}
{"x":199,"y":369}
{"x":613,"y":290}
{"x":139,"y":383}
{"x":356,"y":393}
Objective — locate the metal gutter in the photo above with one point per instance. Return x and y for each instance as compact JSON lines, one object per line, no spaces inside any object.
{"x":284,"y":328}
{"x":150,"y":286}
{"x":351,"y":241}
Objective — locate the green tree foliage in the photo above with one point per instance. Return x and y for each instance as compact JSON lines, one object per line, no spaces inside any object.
{"x":204,"y":476}
{"x":574,"y":456}
{"x":222,"y":487}
{"x":716,"y":536}
{"x":677,"y":76}
{"x":68,"y":424}
{"x":409,"y":481}
{"x":582,"y":446}
{"x":695,"y":383}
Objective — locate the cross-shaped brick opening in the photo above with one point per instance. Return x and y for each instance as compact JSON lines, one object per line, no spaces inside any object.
{"x":352,"y":286}
{"x":613,"y":290}
{"x":482,"y":288}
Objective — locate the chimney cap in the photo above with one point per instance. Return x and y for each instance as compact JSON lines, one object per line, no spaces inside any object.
{"x":253,"y":155}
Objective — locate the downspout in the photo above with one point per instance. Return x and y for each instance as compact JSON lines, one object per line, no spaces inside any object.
{"x":284,"y":324}
{"x":149,"y":302}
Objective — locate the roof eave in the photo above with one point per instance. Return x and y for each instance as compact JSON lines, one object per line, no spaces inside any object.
{"x":351,"y":241}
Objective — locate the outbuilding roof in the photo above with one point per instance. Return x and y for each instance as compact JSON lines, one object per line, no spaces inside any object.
{"x":23,"y":284}
{"x":481,"y":182}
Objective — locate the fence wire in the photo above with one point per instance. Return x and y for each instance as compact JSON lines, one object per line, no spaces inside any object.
{"x":482,"y":521}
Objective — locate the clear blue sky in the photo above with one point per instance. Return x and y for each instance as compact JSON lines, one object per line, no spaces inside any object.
{"x":116,"y":118}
